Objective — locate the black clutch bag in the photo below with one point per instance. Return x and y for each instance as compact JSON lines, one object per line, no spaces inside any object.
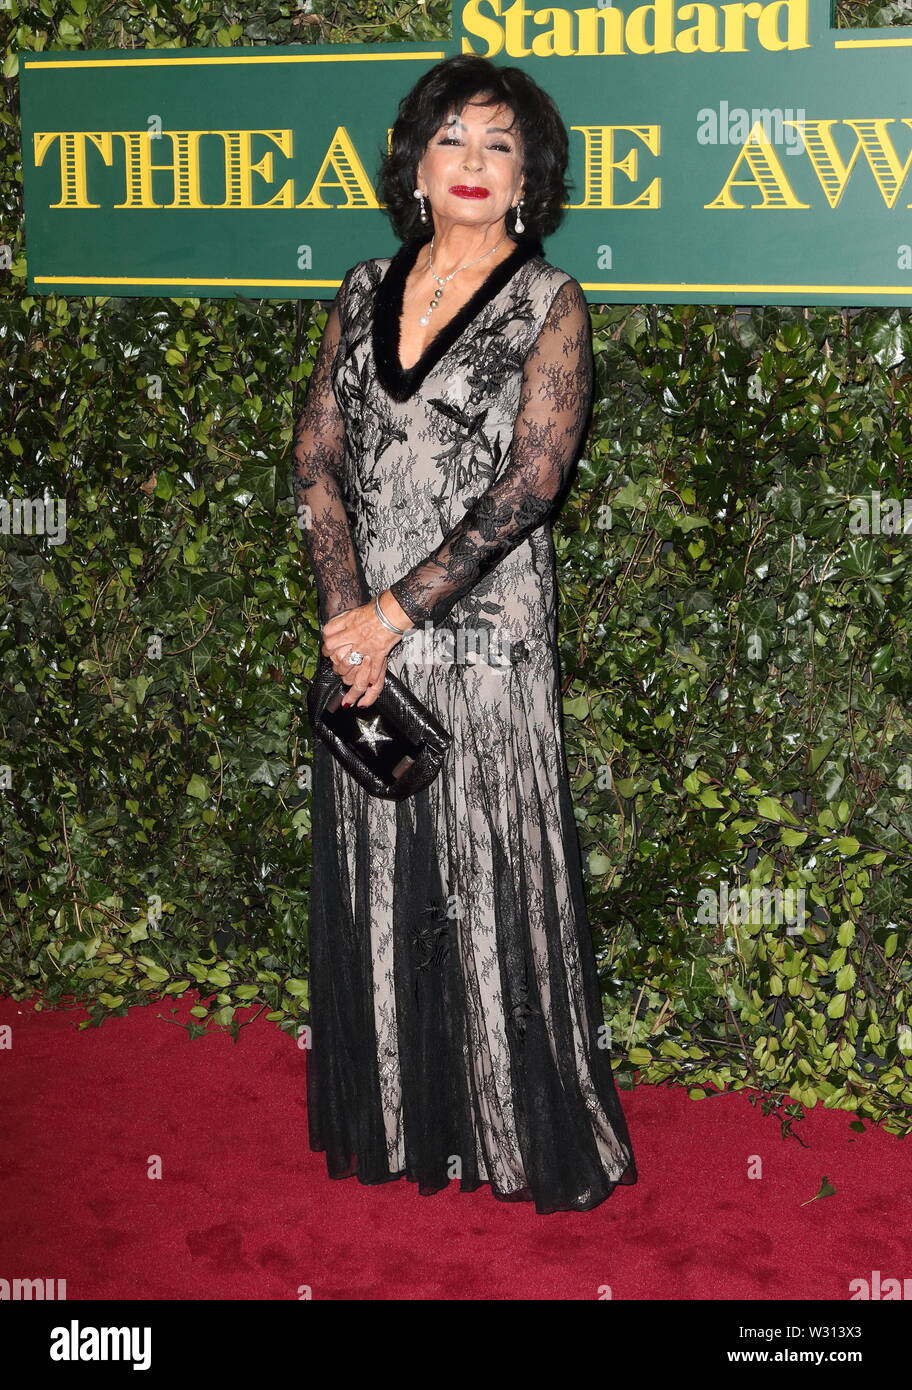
{"x":393,"y":748}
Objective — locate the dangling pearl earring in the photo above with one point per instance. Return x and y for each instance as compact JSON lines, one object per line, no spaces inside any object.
{"x":419,"y":194}
{"x":520,"y":225}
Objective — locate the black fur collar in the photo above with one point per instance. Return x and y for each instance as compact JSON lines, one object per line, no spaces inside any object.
{"x":398,"y":382}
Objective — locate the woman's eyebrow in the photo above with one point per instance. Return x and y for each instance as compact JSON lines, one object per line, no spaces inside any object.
{"x":500,"y":129}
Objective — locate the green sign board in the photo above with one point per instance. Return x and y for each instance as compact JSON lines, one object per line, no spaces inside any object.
{"x":741,"y":153}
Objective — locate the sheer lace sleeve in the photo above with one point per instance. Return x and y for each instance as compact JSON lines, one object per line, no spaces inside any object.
{"x":553,"y":406}
{"x":316,"y":479}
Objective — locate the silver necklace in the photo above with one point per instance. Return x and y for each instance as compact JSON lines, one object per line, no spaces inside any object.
{"x":442,"y":282}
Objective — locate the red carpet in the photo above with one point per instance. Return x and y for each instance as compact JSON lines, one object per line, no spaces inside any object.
{"x":244,"y":1210}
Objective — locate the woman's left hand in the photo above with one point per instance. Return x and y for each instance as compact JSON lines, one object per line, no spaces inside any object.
{"x":362,"y":631}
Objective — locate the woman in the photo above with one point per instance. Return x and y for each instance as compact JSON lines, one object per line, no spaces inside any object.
{"x":456,"y":1023}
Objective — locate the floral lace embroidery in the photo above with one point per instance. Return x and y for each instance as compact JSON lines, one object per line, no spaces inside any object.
{"x":553,"y":407}
{"x":318,"y":453}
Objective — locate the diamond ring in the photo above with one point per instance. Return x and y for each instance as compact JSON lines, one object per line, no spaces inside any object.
{"x":354,"y":658}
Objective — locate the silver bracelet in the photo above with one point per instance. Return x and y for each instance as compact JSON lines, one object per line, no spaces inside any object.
{"x":399,"y":631}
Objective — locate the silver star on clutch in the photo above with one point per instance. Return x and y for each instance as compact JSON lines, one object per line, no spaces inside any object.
{"x":370,"y":732}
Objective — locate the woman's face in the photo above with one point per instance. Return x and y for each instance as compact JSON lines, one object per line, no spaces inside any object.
{"x":473,"y":150}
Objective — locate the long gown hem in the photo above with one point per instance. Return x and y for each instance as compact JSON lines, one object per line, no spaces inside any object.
{"x":427,"y":1189}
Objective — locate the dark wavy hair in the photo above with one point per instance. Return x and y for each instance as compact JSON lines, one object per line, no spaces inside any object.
{"x":449,"y":86}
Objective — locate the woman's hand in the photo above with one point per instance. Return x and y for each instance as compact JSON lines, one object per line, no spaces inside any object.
{"x":360,"y":629}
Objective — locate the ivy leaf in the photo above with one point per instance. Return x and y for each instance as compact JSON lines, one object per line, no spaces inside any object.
{"x":261,"y":479}
{"x":820,"y":754}
{"x":826,"y":1190}
{"x":577,"y":708}
{"x":629,"y":496}
{"x":214,"y":585}
{"x":772,"y":809}
{"x":882,"y":661}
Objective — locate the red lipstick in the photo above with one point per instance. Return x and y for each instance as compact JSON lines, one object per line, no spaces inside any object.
{"x":469,"y":191}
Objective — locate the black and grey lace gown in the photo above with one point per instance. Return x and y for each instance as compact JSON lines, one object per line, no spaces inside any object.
{"x":457,"y":1030}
